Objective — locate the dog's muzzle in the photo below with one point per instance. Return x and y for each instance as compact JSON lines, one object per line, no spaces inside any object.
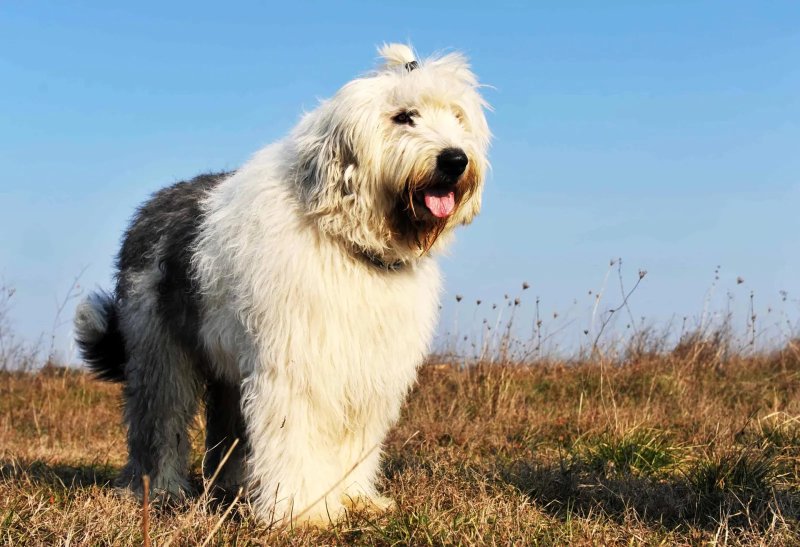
{"x":440,"y":199}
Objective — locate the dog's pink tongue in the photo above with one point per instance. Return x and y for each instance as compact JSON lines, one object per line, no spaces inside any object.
{"x":441,"y":204}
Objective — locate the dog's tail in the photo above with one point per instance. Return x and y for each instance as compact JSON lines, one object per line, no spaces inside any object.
{"x":98,"y":337}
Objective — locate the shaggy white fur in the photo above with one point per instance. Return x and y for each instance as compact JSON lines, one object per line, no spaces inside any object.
{"x":319,"y":296}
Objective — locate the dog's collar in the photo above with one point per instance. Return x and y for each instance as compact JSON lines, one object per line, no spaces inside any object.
{"x":381,"y":264}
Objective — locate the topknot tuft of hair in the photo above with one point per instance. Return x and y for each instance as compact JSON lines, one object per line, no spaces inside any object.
{"x":396,"y":55}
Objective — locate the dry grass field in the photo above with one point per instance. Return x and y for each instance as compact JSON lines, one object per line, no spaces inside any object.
{"x":691,"y":446}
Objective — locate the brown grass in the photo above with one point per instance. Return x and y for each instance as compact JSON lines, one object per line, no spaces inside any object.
{"x":677,"y":448}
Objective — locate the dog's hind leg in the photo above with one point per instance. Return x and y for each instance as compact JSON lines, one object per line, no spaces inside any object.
{"x":160,"y":398}
{"x":224,"y":425}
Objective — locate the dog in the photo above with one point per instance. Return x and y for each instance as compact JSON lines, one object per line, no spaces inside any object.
{"x":297,"y":296}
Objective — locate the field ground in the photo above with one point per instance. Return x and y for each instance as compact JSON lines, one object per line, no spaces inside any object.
{"x":678,"y":448}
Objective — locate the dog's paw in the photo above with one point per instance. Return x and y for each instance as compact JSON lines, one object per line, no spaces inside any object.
{"x":161,"y":494}
{"x":377,"y":504}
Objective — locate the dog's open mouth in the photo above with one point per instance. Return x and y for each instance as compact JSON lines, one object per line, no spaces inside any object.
{"x":440,"y":202}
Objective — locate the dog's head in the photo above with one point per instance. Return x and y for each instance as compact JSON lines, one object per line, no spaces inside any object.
{"x":396,"y":159}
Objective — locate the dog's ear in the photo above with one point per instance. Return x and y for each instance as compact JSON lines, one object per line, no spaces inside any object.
{"x":326,"y":159}
{"x":395,"y":55}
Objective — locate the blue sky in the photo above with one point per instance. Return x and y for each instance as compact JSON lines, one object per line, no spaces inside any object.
{"x":667,"y":134}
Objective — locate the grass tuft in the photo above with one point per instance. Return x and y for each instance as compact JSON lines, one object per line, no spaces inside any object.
{"x":639,"y":451}
{"x":737,"y":485}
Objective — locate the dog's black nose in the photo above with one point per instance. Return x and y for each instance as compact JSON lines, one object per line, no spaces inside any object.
{"x":452,"y":162}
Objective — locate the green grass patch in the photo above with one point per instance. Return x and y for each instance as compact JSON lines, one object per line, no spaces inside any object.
{"x":647,"y":452}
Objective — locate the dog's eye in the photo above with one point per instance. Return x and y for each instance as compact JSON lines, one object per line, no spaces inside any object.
{"x":404,"y":118}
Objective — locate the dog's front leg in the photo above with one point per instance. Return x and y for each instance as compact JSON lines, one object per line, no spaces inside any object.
{"x":292,"y":466}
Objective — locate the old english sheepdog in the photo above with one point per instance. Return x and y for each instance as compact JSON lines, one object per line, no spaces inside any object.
{"x":295,"y":296}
